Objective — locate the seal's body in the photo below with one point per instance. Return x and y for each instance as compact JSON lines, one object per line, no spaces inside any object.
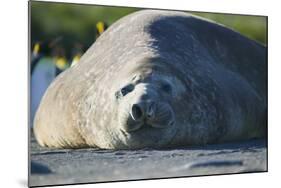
{"x":158,"y":79}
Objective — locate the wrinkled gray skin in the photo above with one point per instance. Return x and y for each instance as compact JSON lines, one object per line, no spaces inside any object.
{"x":158,"y":79}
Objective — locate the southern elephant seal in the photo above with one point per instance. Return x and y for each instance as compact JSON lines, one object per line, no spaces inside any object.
{"x":158,"y":79}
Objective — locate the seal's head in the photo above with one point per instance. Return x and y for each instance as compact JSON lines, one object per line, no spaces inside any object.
{"x":144,"y":99}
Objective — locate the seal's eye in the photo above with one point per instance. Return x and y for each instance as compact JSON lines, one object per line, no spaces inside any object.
{"x":127,"y":89}
{"x":166,"y":87}
{"x":124,"y":91}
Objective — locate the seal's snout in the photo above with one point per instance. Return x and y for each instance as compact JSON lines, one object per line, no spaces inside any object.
{"x":147,"y":113}
{"x":143,"y":110}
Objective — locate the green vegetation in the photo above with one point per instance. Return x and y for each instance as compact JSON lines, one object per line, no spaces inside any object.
{"x":254,"y":27}
{"x":76,"y":23}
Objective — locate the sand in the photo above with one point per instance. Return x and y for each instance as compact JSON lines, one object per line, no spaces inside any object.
{"x":70,"y":166}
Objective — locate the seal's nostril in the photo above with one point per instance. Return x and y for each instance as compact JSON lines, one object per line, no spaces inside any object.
{"x":136,"y":112}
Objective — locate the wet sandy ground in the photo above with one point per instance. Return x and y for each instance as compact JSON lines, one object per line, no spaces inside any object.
{"x":68,"y":166}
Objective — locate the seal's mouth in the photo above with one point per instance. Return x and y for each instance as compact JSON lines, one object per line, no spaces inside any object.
{"x":148,"y":136}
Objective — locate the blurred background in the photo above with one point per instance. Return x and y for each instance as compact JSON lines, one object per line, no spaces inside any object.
{"x":61,"y":33}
